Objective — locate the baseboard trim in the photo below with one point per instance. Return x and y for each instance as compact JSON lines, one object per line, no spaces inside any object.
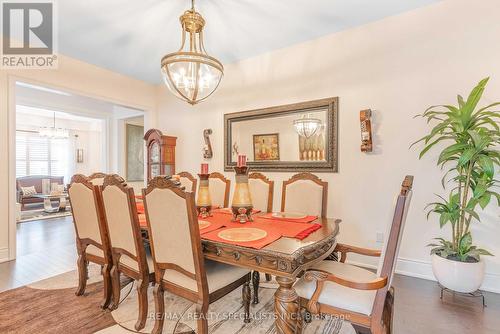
{"x":423,"y":269}
{"x":4,"y":254}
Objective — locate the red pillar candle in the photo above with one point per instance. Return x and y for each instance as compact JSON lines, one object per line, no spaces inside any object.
{"x":242,"y":161}
{"x":204,"y":169}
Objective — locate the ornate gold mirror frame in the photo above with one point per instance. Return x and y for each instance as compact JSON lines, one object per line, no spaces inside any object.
{"x":330,"y":164}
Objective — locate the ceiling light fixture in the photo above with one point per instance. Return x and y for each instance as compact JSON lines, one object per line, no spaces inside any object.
{"x":190,"y":73}
{"x":307,"y":126}
{"x":53,"y":132}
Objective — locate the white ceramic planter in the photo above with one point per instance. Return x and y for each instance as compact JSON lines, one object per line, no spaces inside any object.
{"x":458,"y":276}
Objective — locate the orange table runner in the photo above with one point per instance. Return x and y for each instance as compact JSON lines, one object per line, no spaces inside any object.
{"x":306,"y":219}
{"x":274,"y":228}
{"x":257,"y":244}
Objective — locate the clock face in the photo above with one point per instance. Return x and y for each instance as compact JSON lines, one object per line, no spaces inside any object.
{"x":155,"y":153}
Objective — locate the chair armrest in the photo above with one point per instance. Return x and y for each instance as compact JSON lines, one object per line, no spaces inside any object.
{"x":320,"y":277}
{"x":343,"y":249}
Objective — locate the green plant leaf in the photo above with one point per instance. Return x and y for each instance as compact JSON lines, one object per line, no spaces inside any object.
{"x":486,"y":164}
{"x":466,"y":156}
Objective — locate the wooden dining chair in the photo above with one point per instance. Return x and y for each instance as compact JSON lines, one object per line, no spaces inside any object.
{"x":262,"y":191}
{"x":127,"y":247}
{"x":188,"y":181}
{"x":365,"y":298}
{"x":92,"y":240}
{"x":305,"y":193}
{"x":97,"y":179}
{"x":219,"y":188}
{"x":178,"y":258}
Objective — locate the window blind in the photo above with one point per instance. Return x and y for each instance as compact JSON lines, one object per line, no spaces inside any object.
{"x":36,"y":155}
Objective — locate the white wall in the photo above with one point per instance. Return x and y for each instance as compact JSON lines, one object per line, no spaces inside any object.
{"x":75,"y":77}
{"x":397,"y":67}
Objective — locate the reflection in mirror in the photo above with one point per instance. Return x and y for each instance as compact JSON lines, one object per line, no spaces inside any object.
{"x":277,"y":138}
{"x":295,"y":137}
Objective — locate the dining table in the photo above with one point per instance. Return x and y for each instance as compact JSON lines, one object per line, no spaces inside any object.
{"x":284,"y":255}
{"x":286,"y":258}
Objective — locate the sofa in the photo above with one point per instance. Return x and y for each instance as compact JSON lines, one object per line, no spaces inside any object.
{"x":36,"y":181}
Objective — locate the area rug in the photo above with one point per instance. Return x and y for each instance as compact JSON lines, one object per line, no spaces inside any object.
{"x":31,"y":215}
{"x":50,"y":306}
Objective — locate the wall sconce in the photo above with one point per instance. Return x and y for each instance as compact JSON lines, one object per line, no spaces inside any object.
{"x":79,"y":155}
{"x":366,"y":130}
{"x":79,"y":151}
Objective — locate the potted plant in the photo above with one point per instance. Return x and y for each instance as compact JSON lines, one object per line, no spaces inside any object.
{"x":471,"y":155}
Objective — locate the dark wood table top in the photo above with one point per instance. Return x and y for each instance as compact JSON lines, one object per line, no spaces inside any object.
{"x":283,"y":257}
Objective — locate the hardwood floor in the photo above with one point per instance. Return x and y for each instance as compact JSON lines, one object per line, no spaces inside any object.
{"x":47,"y":248}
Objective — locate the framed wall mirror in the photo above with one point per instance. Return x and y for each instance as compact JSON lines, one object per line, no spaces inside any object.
{"x":294,"y":137}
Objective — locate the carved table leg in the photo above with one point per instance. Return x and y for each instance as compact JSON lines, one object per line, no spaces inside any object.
{"x":255,"y":283}
{"x":287,"y":308}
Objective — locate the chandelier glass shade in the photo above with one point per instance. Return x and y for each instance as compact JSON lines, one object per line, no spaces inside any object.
{"x":190,"y":73}
{"x":53,"y":132}
{"x":307,"y":126}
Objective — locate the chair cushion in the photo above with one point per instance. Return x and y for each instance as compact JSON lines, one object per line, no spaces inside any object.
{"x":128,"y":262}
{"x":339,"y":296}
{"x":219,"y":275}
{"x":93,"y":250}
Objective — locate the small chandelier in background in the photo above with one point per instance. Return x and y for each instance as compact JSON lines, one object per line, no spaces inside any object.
{"x":307,"y":126}
{"x":190,"y":73}
{"x":53,"y":132}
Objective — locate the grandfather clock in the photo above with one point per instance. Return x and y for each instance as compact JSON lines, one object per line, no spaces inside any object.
{"x":161,"y":153}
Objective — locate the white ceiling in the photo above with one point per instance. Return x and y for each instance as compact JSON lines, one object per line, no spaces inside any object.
{"x":131,"y":36}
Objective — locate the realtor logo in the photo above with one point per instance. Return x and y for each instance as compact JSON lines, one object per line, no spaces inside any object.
{"x":28,"y":35}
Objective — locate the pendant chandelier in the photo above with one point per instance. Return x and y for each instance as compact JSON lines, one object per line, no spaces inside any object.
{"x":190,"y":73}
{"x":53,"y":132}
{"x":307,"y":126}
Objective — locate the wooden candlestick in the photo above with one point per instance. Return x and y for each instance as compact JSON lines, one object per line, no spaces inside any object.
{"x":203,"y":201}
{"x":242,"y":201}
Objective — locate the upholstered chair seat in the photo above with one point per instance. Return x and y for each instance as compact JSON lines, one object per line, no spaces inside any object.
{"x":219,"y":275}
{"x":336,"y":295}
{"x":127,"y":261}
{"x":91,"y":249}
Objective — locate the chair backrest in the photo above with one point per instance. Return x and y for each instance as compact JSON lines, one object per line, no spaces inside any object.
{"x":393,"y":240}
{"x":262,"y":191}
{"x":175,"y":237}
{"x":97,"y":179}
{"x":87,"y":211}
{"x":188,"y":181}
{"x":390,"y":251}
{"x":122,"y":221}
{"x":219,"y":188}
{"x":305,"y":193}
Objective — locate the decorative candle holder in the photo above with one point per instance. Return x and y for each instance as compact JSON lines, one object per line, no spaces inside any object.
{"x":242,"y":200}
{"x":203,"y":201}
